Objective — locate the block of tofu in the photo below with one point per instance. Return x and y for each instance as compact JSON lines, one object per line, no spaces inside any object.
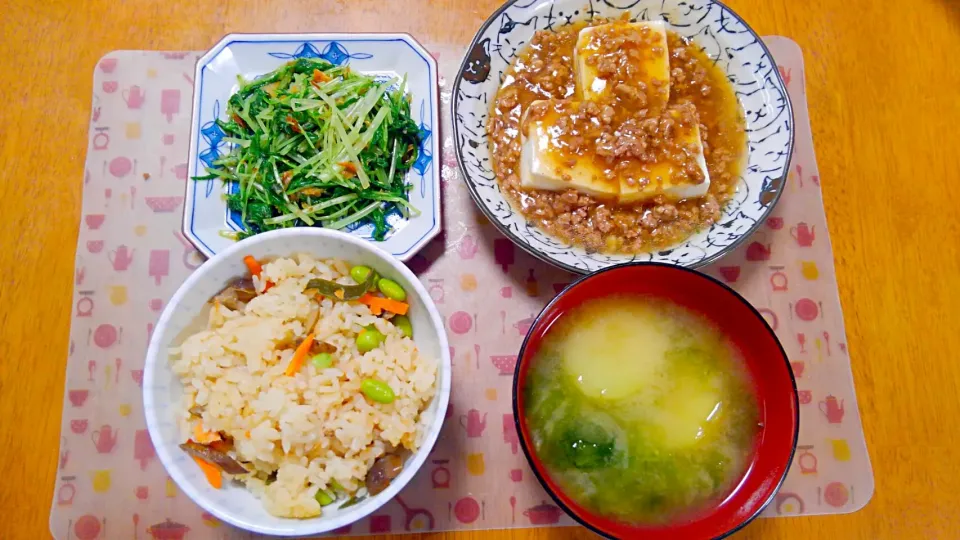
{"x":545,"y":165}
{"x":641,"y":50}
{"x":663,"y":178}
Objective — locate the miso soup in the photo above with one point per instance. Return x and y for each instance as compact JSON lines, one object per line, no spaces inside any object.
{"x":640,"y":410}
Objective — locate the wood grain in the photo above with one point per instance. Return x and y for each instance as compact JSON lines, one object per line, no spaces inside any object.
{"x":885,"y":142}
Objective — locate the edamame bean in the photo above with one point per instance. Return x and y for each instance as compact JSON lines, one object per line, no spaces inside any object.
{"x":392,"y":290}
{"x":402,"y":322}
{"x":369,"y":339}
{"x":378,"y":391}
{"x":324,"y":497}
{"x":322,"y":360}
{"x":360,"y":273}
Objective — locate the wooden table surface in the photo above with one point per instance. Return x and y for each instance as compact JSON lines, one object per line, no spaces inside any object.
{"x":885,"y":142}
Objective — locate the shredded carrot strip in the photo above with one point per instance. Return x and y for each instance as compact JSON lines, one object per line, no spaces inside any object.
{"x":255,"y":270}
{"x":349,"y":169}
{"x":203,"y":436}
{"x":294,"y":124}
{"x":377,"y":303}
{"x":319,"y":76}
{"x":252,"y":265}
{"x":299,"y":356}
{"x":211,"y":472}
{"x":247,"y":434}
{"x":374,"y":309}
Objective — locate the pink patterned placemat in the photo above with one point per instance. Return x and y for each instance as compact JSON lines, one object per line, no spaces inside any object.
{"x":131,"y":257}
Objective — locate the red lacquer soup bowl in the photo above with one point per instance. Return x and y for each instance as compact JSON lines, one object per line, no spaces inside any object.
{"x":766,"y":362}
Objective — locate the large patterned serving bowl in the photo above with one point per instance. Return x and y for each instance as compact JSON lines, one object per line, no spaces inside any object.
{"x":726,"y":38}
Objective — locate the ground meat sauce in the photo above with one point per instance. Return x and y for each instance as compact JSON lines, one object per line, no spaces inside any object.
{"x":628,"y":128}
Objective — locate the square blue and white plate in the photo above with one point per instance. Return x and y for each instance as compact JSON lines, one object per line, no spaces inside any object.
{"x":206,"y":217}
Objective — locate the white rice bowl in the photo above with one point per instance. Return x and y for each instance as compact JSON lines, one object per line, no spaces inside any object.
{"x":313,"y":430}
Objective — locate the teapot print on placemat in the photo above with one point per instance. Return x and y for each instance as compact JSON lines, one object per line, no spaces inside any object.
{"x":833,"y":409}
{"x":473,"y":423}
{"x":121,"y":258}
{"x":104,"y":439}
{"x":803,"y":234}
{"x":134,"y":97}
{"x":468,"y":248}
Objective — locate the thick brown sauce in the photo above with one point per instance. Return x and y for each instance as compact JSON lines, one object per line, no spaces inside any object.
{"x":627,"y":131}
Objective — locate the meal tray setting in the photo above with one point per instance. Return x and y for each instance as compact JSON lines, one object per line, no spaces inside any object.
{"x":132,"y":256}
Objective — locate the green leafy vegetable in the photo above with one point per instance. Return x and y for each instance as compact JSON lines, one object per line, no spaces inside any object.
{"x":341,"y":292}
{"x":351,"y":501}
{"x":588,"y":449}
{"x":317,"y":145}
{"x":578,"y":443}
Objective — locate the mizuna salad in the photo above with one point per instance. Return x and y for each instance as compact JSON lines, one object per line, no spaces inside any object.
{"x":318,"y":145}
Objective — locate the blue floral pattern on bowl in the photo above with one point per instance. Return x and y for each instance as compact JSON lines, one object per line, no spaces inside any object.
{"x":206,"y":215}
{"x":334,"y":52}
{"x":725,"y":37}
